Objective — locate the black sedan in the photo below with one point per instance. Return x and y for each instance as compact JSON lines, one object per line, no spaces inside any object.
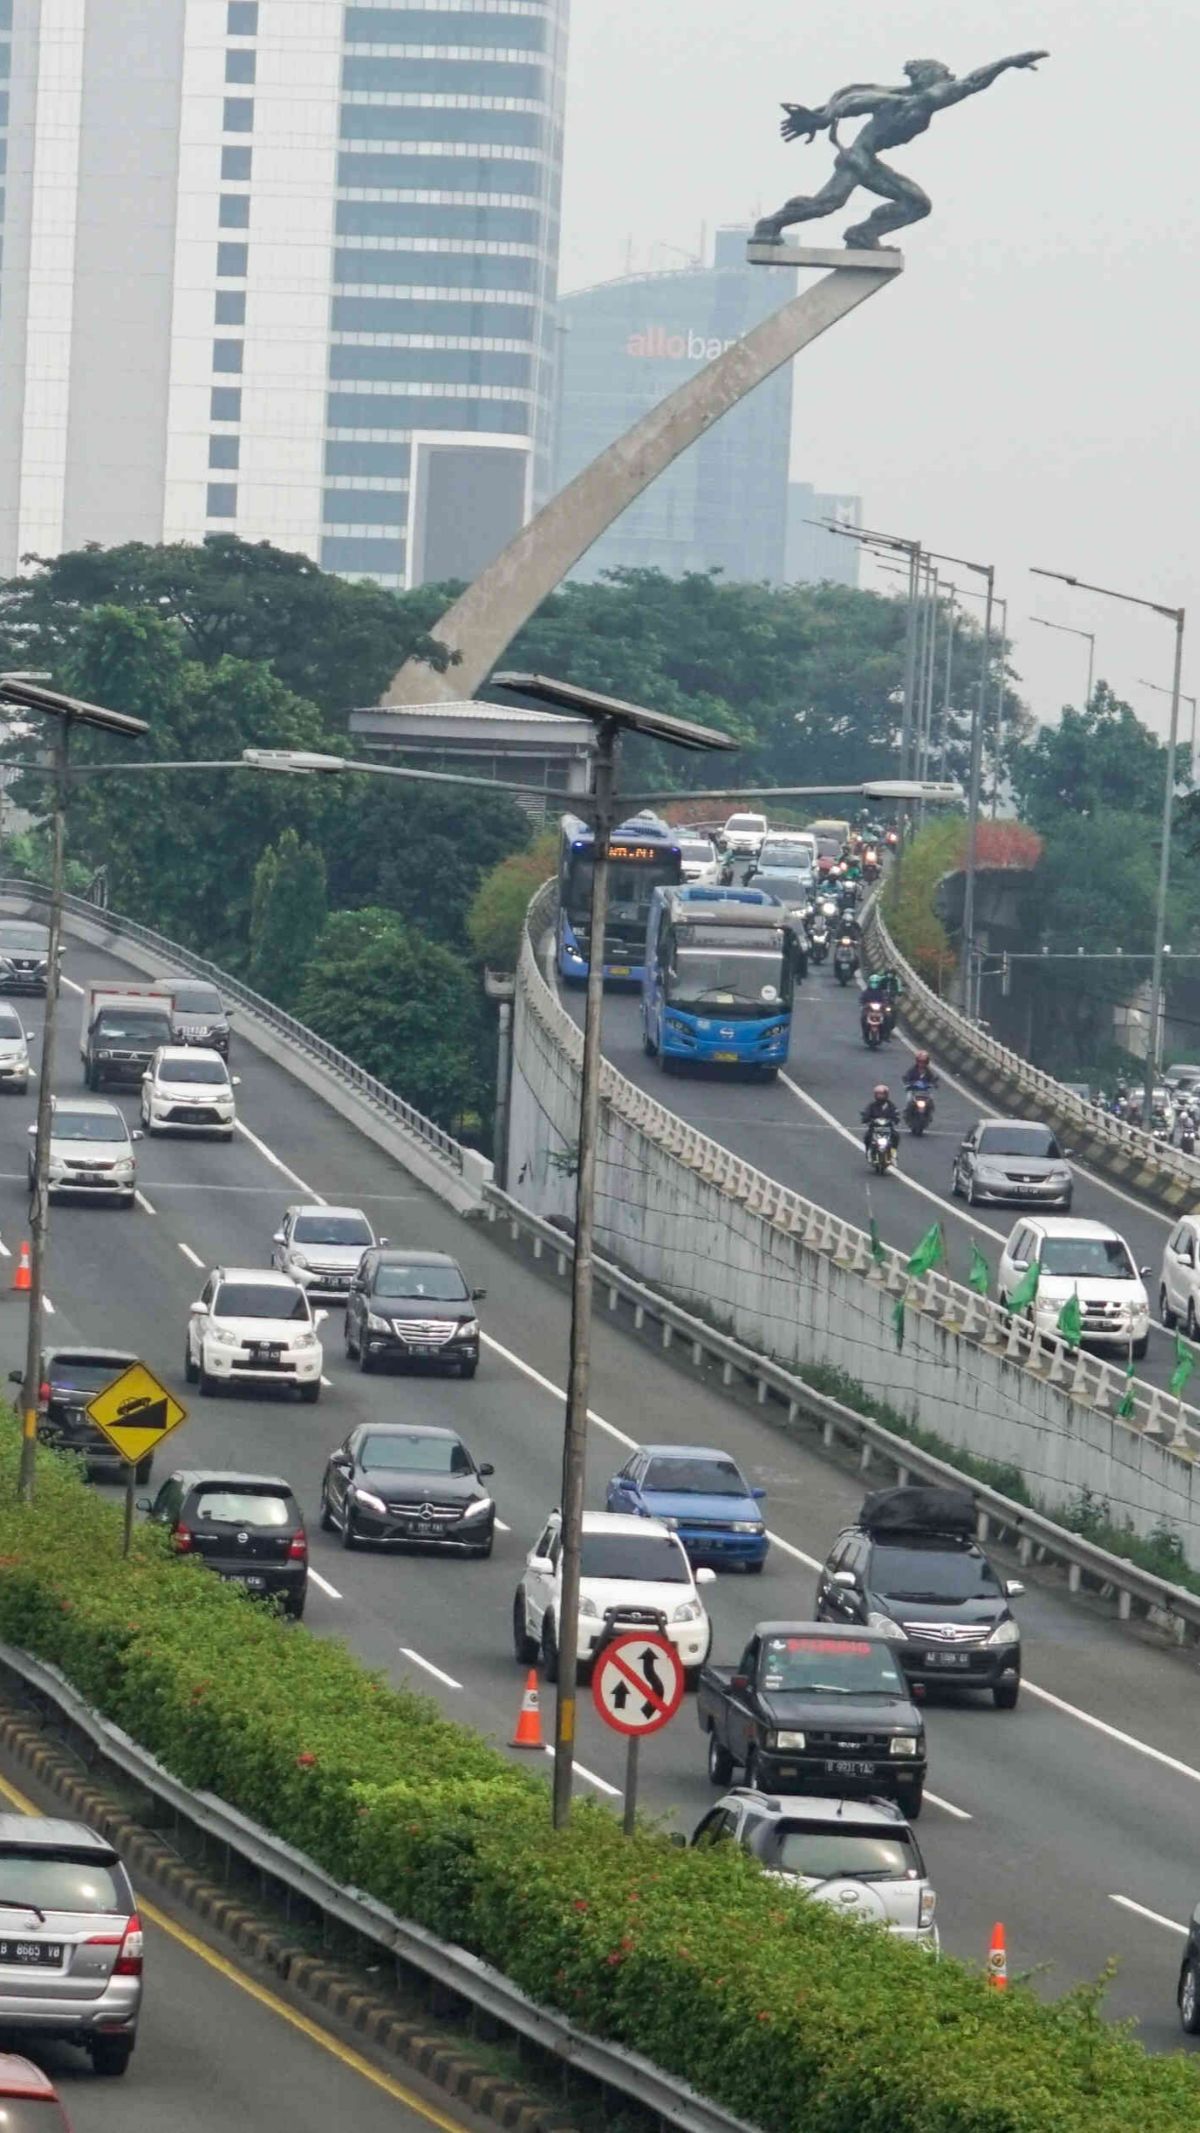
{"x":413,"y":1307}
{"x":1188,"y":1990}
{"x":246,"y":1527}
{"x":391,"y":1481}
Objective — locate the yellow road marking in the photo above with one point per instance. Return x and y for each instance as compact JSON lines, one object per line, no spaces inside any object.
{"x":312,"y":2030}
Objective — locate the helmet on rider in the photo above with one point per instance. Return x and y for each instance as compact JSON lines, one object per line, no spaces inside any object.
{"x":922,"y":1060}
{"x":880,"y":1089}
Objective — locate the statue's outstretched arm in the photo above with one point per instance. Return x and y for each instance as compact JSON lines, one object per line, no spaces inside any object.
{"x":857,"y":101}
{"x":953,"y":92}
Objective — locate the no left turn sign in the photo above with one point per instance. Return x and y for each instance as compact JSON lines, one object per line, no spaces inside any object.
{"x":637,"y":1683}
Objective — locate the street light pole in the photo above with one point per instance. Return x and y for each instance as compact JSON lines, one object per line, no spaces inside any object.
{"x":997,"y":759}
{"x":39,"y":1203}
{"x":1068,"y":631}
{"x":1161,"y":690}
{"x":970,"y":966}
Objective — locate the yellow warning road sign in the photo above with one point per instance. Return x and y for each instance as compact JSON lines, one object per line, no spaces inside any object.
{"x":135,"y":1413}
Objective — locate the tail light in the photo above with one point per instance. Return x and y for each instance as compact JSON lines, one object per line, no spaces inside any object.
{"x":44,"y":1393}
{"x":129,"y":1960}
{"x":298,"y":1548}
{"x":182,"y":1538}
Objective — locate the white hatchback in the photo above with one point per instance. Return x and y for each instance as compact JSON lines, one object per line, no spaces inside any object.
{"x":252,"y":1326}
{"x":187,"y":1089}
{"x":635,"y":1575}
{"x":1084,"y":1259}
{"x":1179,"y":1279}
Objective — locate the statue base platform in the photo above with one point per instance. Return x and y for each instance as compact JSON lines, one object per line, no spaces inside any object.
{"x":806,"y":255}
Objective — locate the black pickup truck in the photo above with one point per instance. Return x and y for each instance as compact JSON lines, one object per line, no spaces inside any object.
{"x":811,"y":1708}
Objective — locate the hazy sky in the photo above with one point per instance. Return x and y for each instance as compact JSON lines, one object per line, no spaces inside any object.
{"x":1028,"y":392}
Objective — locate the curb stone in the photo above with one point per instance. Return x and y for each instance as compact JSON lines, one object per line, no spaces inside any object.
{"x":377,"y":2019}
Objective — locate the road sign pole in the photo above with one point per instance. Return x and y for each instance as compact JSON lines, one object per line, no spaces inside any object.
{"x":130,"y":1481}
{"x":631,"y":1784}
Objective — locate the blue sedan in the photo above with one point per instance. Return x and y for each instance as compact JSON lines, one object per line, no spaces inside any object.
{"x":702,"y":1494}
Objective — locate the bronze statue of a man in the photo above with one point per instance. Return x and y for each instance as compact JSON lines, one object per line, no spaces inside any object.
{"x":894,"y":116}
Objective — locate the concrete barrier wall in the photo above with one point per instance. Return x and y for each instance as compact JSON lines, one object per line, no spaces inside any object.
{"x":693,"y":1221}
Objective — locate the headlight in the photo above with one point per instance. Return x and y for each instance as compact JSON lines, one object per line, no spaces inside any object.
{"x":788,"y":1740}
{"x":369,"y":1502}
{"x":221,"y":1337}
{"x":124,"y":1169}
{"x":689,"y":1611}
{"x":928,"y":1907}
{"x":746,"y":1525}
{"x":886,"y":1627}
{"x":1060,"y":1174}
{"x":305,"y":1340}
{"x":904,"y":1744}
{"x":1005,"y":1633}
{"x":589,"y":1608}
{"x":378,"y":1325}
{"x":57,"y":1166}
{"x":481,"y":1505}
{"x":468,"y":1330}
{"x":298,"y":1259}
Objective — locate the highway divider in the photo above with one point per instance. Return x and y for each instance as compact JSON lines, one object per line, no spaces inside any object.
{"x":1164,"y":1176}
{"x":686,"y":1981}
{"x":793,"y":1283}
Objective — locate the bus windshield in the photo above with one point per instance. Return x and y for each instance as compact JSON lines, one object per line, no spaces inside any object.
{"x":719,"y":971}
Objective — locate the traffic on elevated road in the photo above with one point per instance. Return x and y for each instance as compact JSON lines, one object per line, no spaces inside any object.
{"x":412,"y":1512}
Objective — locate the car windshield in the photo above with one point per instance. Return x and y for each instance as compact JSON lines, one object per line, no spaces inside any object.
{"x":141,"y":1029}
{"x":85,"y":1373}
{"x":837,"y":1666}
{"x":786,"y":855}
{"x":696,"y":849}
{"x":1018,"y":1140}
{"x":88,"y":1126}
{"x":206,"y":1070}
{"x":31,"y":1876}
{"x":25,"y":940}
{"x":913,"y":1572}
{"x":427,"y":1284}
{"x":821,"y":1851}
{"x":1087,"y":1258}
{"x":414,"y":1452}
{"x":695,"y":1477}
{"x":10,"y":1023}
{"x":645,"y":1559}
{"x":245,"y":1299}
{"x":789,"y":888}
{"x":195,"y":999}
{"x":743,"y":825}
{"x":332,"y":1229}
{"x":245,"y":1507}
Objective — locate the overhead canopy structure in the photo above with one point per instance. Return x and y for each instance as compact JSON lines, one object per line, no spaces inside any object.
{"x":529,"y":746}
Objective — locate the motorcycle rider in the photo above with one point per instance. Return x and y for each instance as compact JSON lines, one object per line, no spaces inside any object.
{"x":921,"y":1071}
{"x":881,"y":1106}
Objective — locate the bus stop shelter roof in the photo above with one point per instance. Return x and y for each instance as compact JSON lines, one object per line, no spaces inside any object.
{"x":609,"y":710}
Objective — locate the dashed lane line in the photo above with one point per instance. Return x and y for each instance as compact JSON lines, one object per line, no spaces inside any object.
{"x":1141,"y":1911}
{"x":143,"y":1202}
{"x":188,"y":1253}
{"x":429,"y":1667}
{"x":278,"y":1163}
{"x":324,"y":1585}
{"x":601,"y":1784}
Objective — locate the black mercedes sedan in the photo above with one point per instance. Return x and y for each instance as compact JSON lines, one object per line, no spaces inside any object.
{"x":402,"y":1482}
{"x":413,"y":1307}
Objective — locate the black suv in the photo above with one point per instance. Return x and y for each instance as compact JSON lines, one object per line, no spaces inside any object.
{"x":1187,"y":1992}
{"x":390,"y":1482}
{"x":911,"y":1568}
{"x":413,"y":1307}
{"x":198,"y":1013}
{"x":248,"y":1527}
{"x":24,"y":955}
{"x":70,"y":1378}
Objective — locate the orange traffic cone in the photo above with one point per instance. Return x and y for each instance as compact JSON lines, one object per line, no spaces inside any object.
{"x":529,"y":1718}
{"x":998,"y":1960}
{"x":23,"y":1277}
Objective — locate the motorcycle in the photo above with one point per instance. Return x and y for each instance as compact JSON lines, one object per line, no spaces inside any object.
{"x":818,"y":939}
{"x":873,"y":1020}
{"x":881,"y":1148}
{"x":870,"y":863}
{"x":891,"y":839}
{"x":1187,"y":1133}
{"x":845,"y":959}
{"x":918,"y":1111}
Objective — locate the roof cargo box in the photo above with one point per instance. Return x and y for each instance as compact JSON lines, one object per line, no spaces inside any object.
{"x":921,"y":1508}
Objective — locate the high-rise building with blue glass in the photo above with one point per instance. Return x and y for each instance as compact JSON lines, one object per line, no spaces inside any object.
{"x":283,"y":268}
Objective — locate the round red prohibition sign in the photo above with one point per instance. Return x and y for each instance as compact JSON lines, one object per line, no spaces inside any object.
{"x":637,"y":1683}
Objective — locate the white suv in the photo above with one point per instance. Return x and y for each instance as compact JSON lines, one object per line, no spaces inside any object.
{"x":1179,"y":1281}
{"x":635,"y":1575}
{"x":743,"y":835}
{"x":253,"y":1326}
{"x":861,"y":1857}
{"x":1087,"y":1259}
{"x":186,"y":1089}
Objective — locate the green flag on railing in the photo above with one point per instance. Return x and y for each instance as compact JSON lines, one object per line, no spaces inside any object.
{"x":876,"y":1243}
{"x":1125,"y":1408}
{"x":980,"y":1274}
{"x":1027,"y":1287}
{"x":898,"y":1319}
{"x":1185,"y":1363}
{"x":1070,"y":1321}
{"x":929,"y":1253}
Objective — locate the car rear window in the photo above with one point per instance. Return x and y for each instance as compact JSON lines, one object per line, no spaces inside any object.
{"x":10,"y":1023}
{"x":32,"y":2114}
{"x":867,"y":1854}
{"x":1088,"y":1258}
{"x":58,"y":1882}
{"x":244,"y":1507}
{"x":195,"y":999}
{"x":86,"y":1373}
{"x":1018,"y":1140}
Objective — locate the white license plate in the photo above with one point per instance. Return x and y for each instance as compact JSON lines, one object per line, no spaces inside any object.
{"x":424,"y":1348}
{"x":947,"y":1658}
{"x":851,"y":1770}
{"x":254,"y":1584}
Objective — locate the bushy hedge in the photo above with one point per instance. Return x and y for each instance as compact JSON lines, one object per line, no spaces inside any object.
{"x":776,"y":2009}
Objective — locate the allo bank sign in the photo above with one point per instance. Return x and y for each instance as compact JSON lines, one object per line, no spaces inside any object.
{"x":660,"y":344}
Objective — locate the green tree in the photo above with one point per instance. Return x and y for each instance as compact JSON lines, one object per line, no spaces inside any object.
{"x":497,"y":913}
{"x":403,"y":1007}
{"x":287,"y":914}
{"x":419,"y":849}
{"x":1096,"y":760}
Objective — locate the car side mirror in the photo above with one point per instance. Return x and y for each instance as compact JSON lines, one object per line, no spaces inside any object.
{"x":198,"y":1310}
{"x":137,"y":1134}
{"x":847,"y":1579}
{"x":319,"y":1317}
{"x":278,"y":1237}
{"x":235,"y":1081}
{"x":229,"y":1013}
{"x":478,"y":1295}
{"x":540,"y":1563}
{"x":758,"y":1495}
{"x":1014,"y":1588}
{"x":678,"y":1840}
{"x":486,"y":1469}
{"x":342,"y":1463}
{"x":385,"y":1240}
{"x":143,"y":1503}
{"x":1068,"y":1154}
{"x":1021,"y":1265}
{"x":706,"y":1576}
{"x":16,"y":1377}
{"x":31,"y":1129}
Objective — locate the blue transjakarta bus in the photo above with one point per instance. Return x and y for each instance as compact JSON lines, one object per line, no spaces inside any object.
{"x":718,"y":979}
{"x":643,"y":855}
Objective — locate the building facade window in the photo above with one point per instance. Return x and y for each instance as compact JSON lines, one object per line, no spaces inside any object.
{"x":239,"y":114}
{"x":226,"y":404}
{"x":387,"y":462}
{"x":225,"y":452}
{"x":437,"y":26}
{"x":234,"y":211}
{"x":240,"y":65}
{"x":242,"y":18}
{"x":230,"y":307}
{"x":222,"y":499}
{"x":237,"y":164}
{"x":233,"y":262}
{"x":227,"y":355}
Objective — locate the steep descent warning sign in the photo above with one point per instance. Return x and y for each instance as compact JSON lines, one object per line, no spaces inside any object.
{"x":135,"y":1413}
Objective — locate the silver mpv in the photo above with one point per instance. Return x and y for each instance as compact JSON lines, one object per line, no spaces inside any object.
{"x":70,"y":1939}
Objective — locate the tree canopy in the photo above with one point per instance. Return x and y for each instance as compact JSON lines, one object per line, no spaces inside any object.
{"x":1101,"y":758}
{"x":401,"y":1006}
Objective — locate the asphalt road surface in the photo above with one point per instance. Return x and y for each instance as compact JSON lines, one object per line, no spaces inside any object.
{"x":1074,"y":1819}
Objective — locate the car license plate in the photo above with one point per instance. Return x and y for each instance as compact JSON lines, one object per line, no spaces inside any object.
{"x":265,"y":1351}
{"x":424,"y":1528}
{"x":947,"y":1658}
{"x":252,"y":1583}
{"x":619,"y":970}
{"x":726,"y":1058}
{"x":43,"y":1954}
{"x":423,"y":1347}
{"x":851,"y":1770}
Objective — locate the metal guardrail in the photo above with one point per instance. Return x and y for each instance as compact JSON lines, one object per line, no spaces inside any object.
{"x":1165,"y":1175}
{"x":1030,"y":1530}
{"x":959,"y":1310}
{"x":455,"y":1969}
{"x":438,"y":1143}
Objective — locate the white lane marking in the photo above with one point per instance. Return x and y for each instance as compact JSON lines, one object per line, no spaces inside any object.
{"x":501,"y":1527}
{"x":324,"y":1583}
{"x":1156,"y":1917}
{"x":943,"y":1200}
{"x":430,"y":1668}
{"x":47,"y":1305}
{"x":960,"y":1813}
{"x":70,"y":984}
{"x":188,"y":1253}
{"x":556,"y":1391}
{"x":143,"y":1202}
{"x":328,"y":1384}
{"x":1127,"y":1740}
{"x":789,"y":1548}
{"x":4,"y":1251}
{"x":601,"y":1784}
{"x":278,"y":1162}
